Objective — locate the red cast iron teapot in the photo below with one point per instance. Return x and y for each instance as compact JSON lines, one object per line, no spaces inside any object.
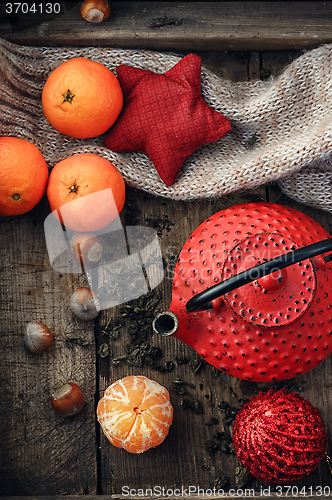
{"x":252,"y":292}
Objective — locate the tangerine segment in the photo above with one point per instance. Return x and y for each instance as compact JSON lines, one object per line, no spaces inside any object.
{"x":86,"y":192}
{"x":135,"y":413}
{"x":117,"y":416}
{"x":82,"y":98}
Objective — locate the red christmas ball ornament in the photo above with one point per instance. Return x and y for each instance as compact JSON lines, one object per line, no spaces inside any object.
{"x":279,"y":436}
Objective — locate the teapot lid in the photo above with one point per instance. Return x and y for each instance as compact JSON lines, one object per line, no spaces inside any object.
{"x":274,"y":300}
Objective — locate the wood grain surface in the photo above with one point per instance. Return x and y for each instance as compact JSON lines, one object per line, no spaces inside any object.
{"x":180,"y":25}
{"x":42,"y":454}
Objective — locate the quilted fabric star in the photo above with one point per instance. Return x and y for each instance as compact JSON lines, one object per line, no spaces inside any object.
{"x":165,"y":116}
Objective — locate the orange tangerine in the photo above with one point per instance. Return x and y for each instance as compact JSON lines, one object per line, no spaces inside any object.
{"x":135,"y":413}
{"x":86,"y":192}
{"x":23,"y":176}
{"x":82,"y":98}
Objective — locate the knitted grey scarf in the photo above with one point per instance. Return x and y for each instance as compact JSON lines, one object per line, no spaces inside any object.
{"x":281,"y":128}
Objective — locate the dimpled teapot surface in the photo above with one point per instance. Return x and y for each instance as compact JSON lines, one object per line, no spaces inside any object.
{"x":273,"y":325}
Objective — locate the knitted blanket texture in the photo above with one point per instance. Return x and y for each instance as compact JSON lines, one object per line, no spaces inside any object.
{"x":281,"y":128}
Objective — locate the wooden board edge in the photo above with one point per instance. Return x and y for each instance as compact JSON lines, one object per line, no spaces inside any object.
{"x":222,"y":26}
{"x":227,"y":496}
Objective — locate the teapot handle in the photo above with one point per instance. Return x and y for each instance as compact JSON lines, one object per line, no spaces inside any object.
{"x":203,"y":298}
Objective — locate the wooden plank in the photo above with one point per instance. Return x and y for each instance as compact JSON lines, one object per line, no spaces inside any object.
{"x":315,"y":385}
{"x":266,"y":492}
{"x":41,"y":451}
{"x":274,"y":62}
{"x":180,"y":26}
{"x":173,"y":463}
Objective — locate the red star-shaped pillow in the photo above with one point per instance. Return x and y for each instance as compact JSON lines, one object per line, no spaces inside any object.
{"x":165,"y":116}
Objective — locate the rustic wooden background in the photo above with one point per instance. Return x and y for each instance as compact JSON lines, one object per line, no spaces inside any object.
{"x":45,"y":455}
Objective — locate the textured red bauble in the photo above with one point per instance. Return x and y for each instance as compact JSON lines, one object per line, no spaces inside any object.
{"x":279,"y":436}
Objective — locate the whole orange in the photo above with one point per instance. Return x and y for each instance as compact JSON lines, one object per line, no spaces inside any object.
{"x":23,"y":176}
{"x":135,"y":413}
{"x":82,"y":98}
{"x":86,"y":192}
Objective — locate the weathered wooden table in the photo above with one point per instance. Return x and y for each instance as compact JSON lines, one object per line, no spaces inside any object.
{"x":42,"y":454}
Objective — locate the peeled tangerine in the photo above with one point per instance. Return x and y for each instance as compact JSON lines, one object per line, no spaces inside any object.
{"x":135,"y":413}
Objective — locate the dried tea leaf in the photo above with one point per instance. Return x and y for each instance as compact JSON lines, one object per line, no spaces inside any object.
{"x":137,"y":355}
{"x":211,"y":422}
{"x":112,"y":327}
{"x":179,"y":380}
{"x":243,"y":401}
{"x":291,"y":385}
{"x":190,"y":402}
{"x":133,"y":327}
{"x":209,"y":397}
{"x":195,"y":364}
{"x":211,"y":446}
{"x":136,"y":318}
{"x":160,"y":223}
{"x":152,"y":355}
{"x":242,"y":476}
{"x":168,"y":366}
{"x":103,"y":350}
{"x":116,"y":361}
{"x":220,"y":482}
{"x":180,"y":390}
{"x":73,"y":339}
{"x":181,"y":360}
{"x":151,"y":304}
{"x":328,"y":461}
{"x":228,"y":411}
{"x":131,"y":211}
